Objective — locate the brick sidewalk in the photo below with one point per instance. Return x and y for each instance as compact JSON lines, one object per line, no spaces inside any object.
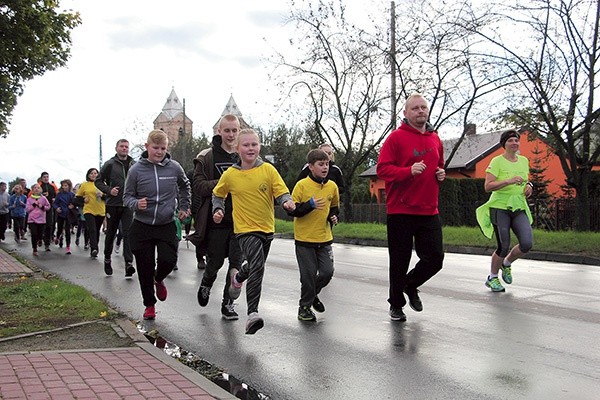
{"x":129,"y":373}
{"x":9,"y":265}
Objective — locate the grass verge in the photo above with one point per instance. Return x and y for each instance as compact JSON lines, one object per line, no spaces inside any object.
{"x":566,"y":242}
{"x":32,"y":305}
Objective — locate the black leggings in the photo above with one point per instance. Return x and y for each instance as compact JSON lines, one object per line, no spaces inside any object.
{"x":504,"y":221}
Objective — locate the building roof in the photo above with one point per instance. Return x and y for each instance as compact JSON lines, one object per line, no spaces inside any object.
{"x":231,"y":108}
{"x":173,"y":106}
{"x":472,"y":149}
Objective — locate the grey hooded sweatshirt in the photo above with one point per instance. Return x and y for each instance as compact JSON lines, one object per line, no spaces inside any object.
{"x":165,"y":185}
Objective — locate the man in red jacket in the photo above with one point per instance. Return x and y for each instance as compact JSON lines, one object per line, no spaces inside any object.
{"x":411,"y":163}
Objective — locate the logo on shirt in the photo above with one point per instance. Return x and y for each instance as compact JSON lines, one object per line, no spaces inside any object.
{"x":263,"y":187}
{"x":418,"y":153}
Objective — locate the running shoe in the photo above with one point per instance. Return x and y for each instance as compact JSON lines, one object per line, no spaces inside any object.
{"x":306,"y":314}
{"x":396,"y":314}
{"x":494,"y":284}
{"x":150,"y":312}
{"x":228,"y":310}
{"x":506,"y":273}
{"x":235,"y":287}
{"x":203,"y":295}
{"x":317,"y":305}
{"x":161,"y":290}
{"x":414,"y":301}
{"x":254,"y":323}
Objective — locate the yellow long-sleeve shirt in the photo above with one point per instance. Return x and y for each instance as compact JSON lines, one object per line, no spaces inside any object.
{"x":314,"y":227}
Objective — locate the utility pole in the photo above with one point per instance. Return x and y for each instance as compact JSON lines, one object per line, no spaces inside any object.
{"x":185,"y":144}
{"x":100,"y":154}
{"x":393,"y":61}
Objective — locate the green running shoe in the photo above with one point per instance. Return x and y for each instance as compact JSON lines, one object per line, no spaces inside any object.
{"x":494,"y":284}
{"x":506,"y":273}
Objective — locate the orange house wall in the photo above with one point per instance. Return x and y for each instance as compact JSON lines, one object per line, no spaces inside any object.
{"x":549,"y":160}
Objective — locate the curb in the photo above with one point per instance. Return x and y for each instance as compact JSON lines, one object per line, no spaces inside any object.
{"x":482,"y":251}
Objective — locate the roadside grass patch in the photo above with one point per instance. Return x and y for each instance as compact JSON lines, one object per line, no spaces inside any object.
{"x":32,"y":305}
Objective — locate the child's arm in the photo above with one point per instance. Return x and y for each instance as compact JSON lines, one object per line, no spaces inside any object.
{"x":285,"y":201}
{"x":303,"y":208}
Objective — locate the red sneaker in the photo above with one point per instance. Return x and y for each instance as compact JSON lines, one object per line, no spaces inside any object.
{"x":161,"y":290}
{"x":150,"y":313}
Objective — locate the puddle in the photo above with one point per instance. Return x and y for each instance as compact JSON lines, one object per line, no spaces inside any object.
{"x":217,"y":375}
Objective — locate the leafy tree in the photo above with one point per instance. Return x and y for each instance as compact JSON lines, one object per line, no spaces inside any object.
{"x":187,"y":148}
{"x":35,"y":38}
{"x":557,"y":73}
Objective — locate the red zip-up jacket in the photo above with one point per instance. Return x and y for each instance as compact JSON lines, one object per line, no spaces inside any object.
{"x":405,"y":193}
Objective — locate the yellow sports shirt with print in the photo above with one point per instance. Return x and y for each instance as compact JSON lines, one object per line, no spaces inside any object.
{"x":253,"y":192}
{"x":314,"y":227}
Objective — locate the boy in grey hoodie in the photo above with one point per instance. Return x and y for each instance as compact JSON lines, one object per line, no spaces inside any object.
{"x":156,"y":187}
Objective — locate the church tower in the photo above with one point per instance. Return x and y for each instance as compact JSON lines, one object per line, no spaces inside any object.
{"x":171,"y":119}
{"x":231,"y":108}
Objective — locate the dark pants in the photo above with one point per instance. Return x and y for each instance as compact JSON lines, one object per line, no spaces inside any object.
{"x":504,"y":221}
{"x":49,"y":227}
{"x":3,"y":224}
{"x":222,"y":244}
{"x":19,"y":227}
{"x":145,"y":241}
{"x":316,"y":270}
{"x":255,"y":247}
{"x":36,"y":231}
{"x":426,"y":232}
{"x":63,"y":224}
{"x":93,"y":223}
{"x":114,"y":216}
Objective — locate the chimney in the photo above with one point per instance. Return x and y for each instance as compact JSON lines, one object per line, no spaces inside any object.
{"x":470,"y":129}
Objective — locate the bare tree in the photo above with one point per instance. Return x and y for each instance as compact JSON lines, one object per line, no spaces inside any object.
{"x":557,"y":68}
{"x":437,"y":56}
{"x":343,"y":79}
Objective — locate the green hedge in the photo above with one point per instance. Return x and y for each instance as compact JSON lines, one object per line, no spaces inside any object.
{"x":458,"y":200}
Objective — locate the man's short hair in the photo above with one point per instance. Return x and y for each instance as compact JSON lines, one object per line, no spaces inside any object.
{"x":228,"y":117}
{"x":121,"y":141}
{"x":414,"y":95}
{"x":316,"y":155}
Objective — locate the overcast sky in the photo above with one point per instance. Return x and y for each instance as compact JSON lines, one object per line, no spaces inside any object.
{"x":126,"y":57}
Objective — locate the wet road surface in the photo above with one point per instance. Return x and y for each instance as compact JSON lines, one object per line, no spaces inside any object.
{"x":537,"y":340}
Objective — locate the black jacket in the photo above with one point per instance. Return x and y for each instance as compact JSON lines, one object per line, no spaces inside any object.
{"x":114,"y":173}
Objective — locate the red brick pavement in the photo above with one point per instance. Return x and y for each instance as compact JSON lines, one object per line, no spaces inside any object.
{"x":128,"y":373}
{"x":8,"y":265}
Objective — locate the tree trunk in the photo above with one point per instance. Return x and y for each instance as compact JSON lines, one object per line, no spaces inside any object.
{"x":582,"y":200}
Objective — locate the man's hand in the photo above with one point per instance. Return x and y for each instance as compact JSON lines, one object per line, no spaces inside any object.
{"x":183,"y":214}
{"x":418,"y":168}
{"x":334,"y":219}
{"x":440,"y":174}
{"x":114,"y":191}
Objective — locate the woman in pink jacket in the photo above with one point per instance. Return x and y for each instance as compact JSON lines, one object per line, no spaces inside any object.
{"x":36,"y":208}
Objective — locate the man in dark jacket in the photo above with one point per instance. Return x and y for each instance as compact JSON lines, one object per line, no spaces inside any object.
{"x":219,"y":239}
{"x":111,"y":182}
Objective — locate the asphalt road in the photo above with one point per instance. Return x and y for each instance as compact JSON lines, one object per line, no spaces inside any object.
{"x":539,"y":340}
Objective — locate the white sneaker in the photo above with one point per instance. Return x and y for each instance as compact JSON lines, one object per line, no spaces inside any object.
{"x":254,"y":323}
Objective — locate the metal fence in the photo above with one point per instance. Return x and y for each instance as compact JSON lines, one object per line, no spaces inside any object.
{"x":551,"y":215}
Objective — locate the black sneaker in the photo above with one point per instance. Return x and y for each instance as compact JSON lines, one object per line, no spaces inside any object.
{"x":317,"y":305}
{"x":108,"y":267}
{"x":228,"y":311}
{"x":413,"y":299}
{"x":203,"y":295}
{"x":129,"y":270}
{"x":396,"y":314}
{"x":201,"y":263}
{"x":94,"y":253}
{"x":306,"y":314}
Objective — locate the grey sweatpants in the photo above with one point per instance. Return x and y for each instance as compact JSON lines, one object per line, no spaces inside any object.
{"x":316,"y":271}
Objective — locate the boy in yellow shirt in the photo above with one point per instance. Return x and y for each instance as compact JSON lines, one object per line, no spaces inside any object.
{"x":317,"y":208}
{"x":253,"y":184}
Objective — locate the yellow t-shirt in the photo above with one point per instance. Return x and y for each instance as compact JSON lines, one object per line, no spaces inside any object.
{"x":314,"y":227}
{"x":94,"y":205}
{"x":253,"y":192}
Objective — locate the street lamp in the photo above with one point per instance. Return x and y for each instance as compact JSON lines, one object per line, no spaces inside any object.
{"x":182,"y":143}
